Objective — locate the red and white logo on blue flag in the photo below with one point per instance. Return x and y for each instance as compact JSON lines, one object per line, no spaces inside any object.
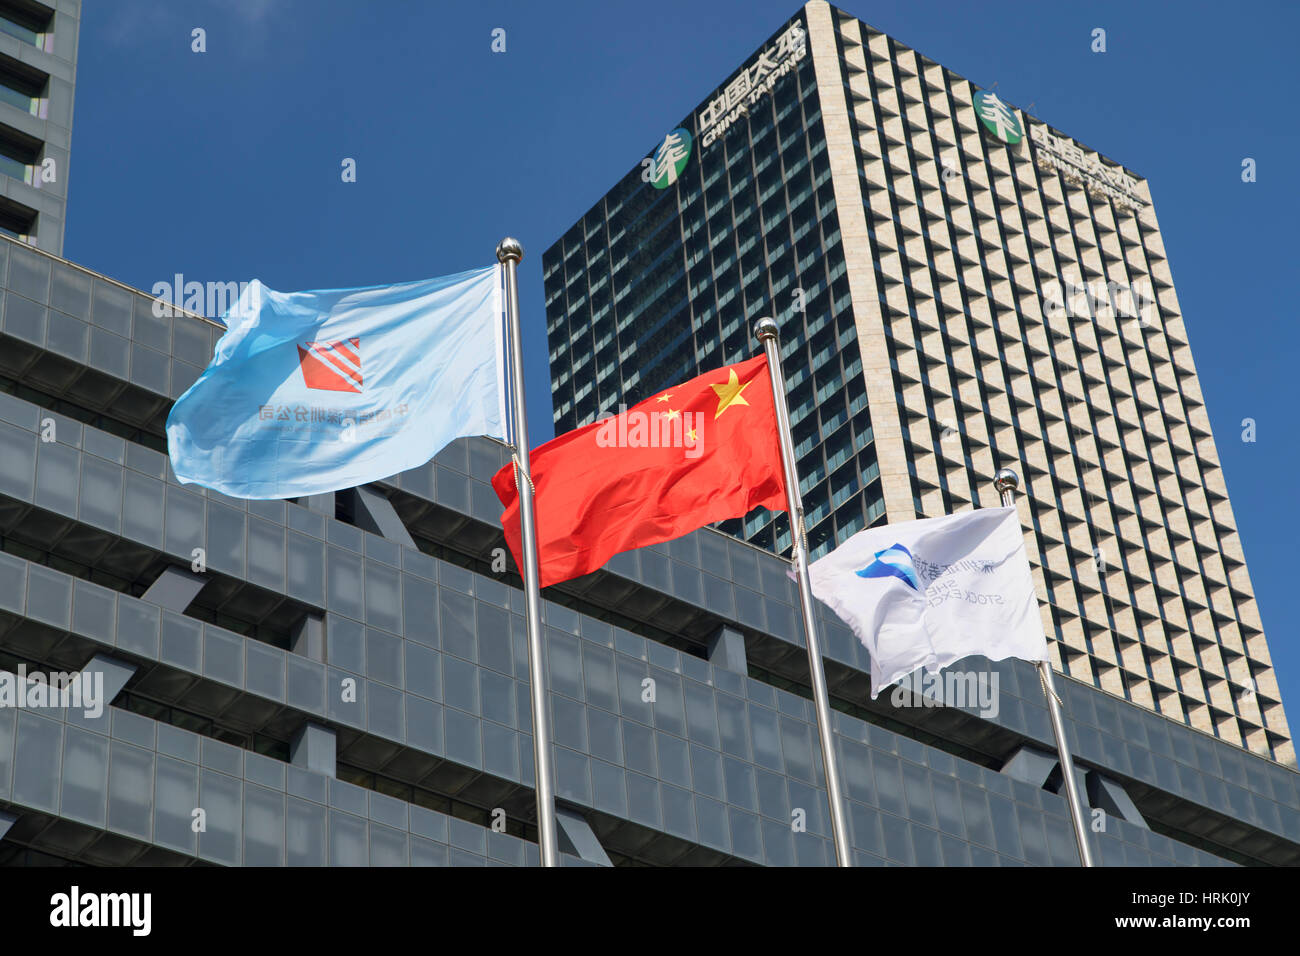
{"x":254,"y":425}
{"x":332,"y":366}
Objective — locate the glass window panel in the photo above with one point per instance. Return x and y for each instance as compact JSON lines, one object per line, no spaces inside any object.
{"x":385,"y":711}
{"x":739,"y":778}
{"x":49,"y":596}
{"x":598,"y":677}
{"x":56,"y":477}
{"x":224,"y":541}
{"x":306,"y":571}
{"x":462,"y":738}
{"x":460,"y":684}
{"x":223,"y":656}
{"x":36,"y":761}
{"x":500,"y":751}
{"x":348,"y":843}
{"x":109,"y":353}
{"x":344,"y":583}
{"x":176,"y":793}
{"x":130,"y":790}
{"x":264,"y":822}
{"x":182,"y":642}
{"x":383,"y":657}
{"x":420,"y":612}
{"x":220,"y":797}
{"x":137,"y":627}
{"x":266,"y":554}
{"x":347,"y":643}
{"x":141,"y":520}
{"x":265,"y":670}
{"x":383,"y":599}
{"x":387,"y":846}
{"x":498,"y":696}
{"x":457,"y":623}
{"x":101,"y":493}
{"x":565,"y":663}
{"x":17,"y":462}
{"x":304,"y":833}
{"x":423,"y":671}
{"x":111,"y":308}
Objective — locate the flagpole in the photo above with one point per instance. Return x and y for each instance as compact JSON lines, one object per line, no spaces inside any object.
{"x":1006,"y":481}
{"x":767,"y":332}
{"x":509,"y":252}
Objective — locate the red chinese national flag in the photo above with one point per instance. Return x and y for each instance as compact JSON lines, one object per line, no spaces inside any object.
{"x":702,"y":452}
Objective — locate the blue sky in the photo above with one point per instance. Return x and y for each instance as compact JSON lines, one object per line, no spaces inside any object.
{"x":225,"y":165}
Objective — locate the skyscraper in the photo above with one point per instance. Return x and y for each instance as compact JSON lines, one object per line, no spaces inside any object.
{"x":961,"y":287}
{"x":38,"y":68}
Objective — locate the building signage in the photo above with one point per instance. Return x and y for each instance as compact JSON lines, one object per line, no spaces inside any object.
{"x":998,"y":118}
{"x":669,"y":159}
{"x":751,"y":84}
{"x":1084,"y":169}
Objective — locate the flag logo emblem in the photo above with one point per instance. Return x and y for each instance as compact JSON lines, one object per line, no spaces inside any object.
{"x":893,"y":562}
{"x":331,"y":366}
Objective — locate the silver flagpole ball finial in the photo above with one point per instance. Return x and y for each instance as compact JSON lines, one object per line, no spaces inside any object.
{"x":1006,"y":480}
{"x":765,"y":329}
{"x":508,"y":249}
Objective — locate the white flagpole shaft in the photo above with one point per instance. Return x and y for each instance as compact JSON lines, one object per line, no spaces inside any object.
{"x":766,"y":331}
{"x":1006,"y":483}
{"x":509,"y":252}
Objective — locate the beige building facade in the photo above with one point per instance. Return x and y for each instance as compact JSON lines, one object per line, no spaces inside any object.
{"x":1030,"y":321}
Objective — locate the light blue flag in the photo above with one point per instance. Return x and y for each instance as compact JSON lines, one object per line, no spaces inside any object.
{"x":310,"y":392}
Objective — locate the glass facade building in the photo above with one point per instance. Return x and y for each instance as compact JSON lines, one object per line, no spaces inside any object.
{"x":960,"y":288}
{"x":341,"y":680}
{"x":654,"y":286}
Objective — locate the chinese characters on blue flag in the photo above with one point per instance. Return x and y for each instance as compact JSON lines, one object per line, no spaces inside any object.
{"x":310,"y":392}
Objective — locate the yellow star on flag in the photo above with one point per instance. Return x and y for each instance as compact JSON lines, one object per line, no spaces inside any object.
{"x":729,"y":393}
{"x":671,"y":414}
{"x":691,"y":433}
{"x":664,"y":397}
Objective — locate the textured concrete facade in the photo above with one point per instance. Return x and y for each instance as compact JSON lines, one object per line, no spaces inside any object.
{"x":38,"y":70}
{"x":995,"y":302}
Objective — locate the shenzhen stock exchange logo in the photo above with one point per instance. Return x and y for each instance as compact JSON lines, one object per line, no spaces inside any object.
{"x":662,"y":169}
{"x":895,"y":562}
{"x":331,"y":366}
{"x":998,"y":118}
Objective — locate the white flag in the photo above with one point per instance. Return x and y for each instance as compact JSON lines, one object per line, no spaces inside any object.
{"x":930,"y":592}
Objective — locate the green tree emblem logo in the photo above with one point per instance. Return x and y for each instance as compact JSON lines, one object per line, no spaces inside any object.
{"x":670,"y":158}
{"x":998,"y":118}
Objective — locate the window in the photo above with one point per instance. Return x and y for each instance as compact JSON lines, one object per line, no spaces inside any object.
{"x":17,"y":221}
{"x":29,"y":22}
{"x":19,"y":153}
{"x":23,"y":87}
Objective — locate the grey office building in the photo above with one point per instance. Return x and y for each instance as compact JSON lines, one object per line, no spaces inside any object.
{"x":38,"y":69}
{"x":341,"y":680}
